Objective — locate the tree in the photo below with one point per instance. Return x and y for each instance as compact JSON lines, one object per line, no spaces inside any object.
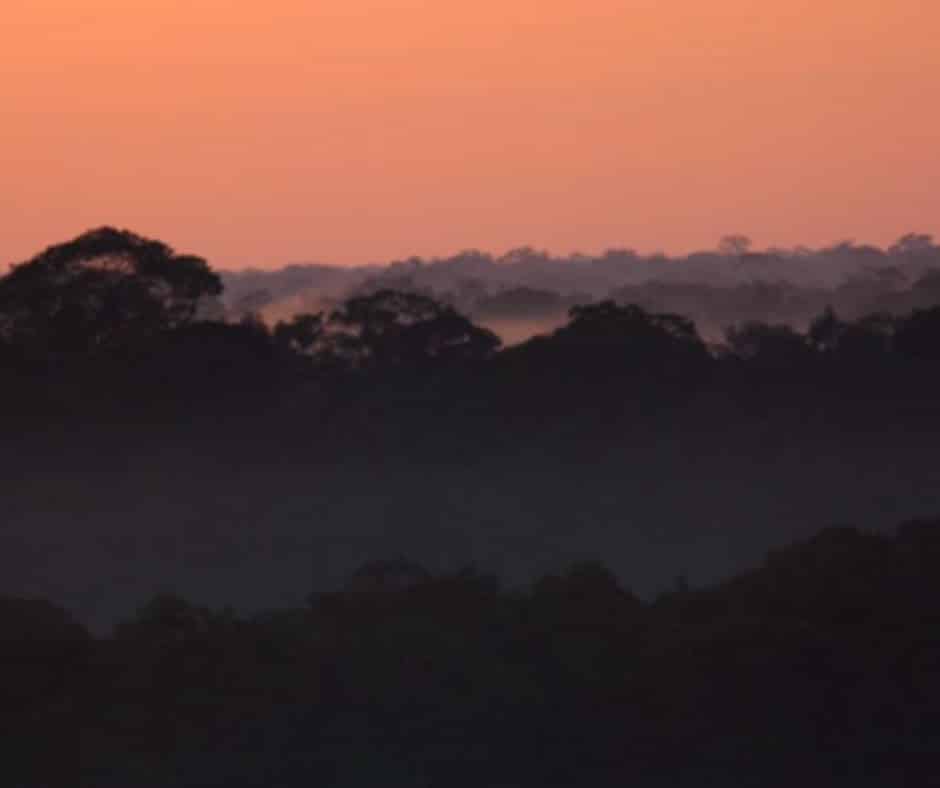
{"x":165,"y":619}
{"x":103,"y":290}
{"x":302,"y":333}
{"x":770,"y":345}
{"x":913,"y":244}
{"x":735,"y":245}
{"x":585,"y":582}
{"x":397,"y":574}
{"x":867,"y":338}
{"x":521,"y":301}
{"x":30,"y":624}
{"x":825,"y":331}
{"x":611,"y":330}
{"x":389,"y":328}
{"x":918,"y":335}
{"x":926,"y":290}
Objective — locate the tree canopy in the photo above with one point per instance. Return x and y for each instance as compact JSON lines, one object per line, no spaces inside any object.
{"x":390,"y":328}
{"x":104,"y":289}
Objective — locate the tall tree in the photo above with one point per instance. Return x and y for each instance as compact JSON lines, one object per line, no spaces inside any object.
{"x":398,"y":329}
{"x":105,"y":289}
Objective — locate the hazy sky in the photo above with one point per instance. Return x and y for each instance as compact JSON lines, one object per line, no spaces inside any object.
{"x":358,"y":130}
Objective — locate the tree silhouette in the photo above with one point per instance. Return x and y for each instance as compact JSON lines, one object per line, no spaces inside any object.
{"x":389,"y":329}
{"x":768,"y":345}
{"x":607,"y":337}
{"x":105,"y":289}
{"x":825,"y":331}
{"x":165,"y":621}
{"x":918,"y":336}
{"x":735,"y":245}
{"x":913,"y":244}
{"x":303,"y":333}
{"x":388,"y":575}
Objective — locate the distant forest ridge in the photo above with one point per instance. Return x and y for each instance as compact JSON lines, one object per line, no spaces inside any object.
{"x":526,"y":291}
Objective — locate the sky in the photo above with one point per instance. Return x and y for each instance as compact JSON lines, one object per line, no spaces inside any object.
{"x":354,"y":131}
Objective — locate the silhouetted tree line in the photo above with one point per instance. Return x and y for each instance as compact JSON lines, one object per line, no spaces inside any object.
{"x":819,"y":665}
{"x":117,"y":342}
{"x":112,"y":306}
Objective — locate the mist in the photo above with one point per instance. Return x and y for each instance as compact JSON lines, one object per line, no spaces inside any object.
{"x":310,"y":498}
{"x":527,"y":292}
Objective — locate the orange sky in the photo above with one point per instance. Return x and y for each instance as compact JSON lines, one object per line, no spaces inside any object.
{"x":362,"y":130}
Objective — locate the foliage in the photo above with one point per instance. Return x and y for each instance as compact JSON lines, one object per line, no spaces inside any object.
{"x":103,"y":290}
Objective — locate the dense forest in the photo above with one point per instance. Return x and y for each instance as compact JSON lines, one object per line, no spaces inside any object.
{"x":820,"y":664}
{"x":376,"y":539}
{"x":526,"y":292}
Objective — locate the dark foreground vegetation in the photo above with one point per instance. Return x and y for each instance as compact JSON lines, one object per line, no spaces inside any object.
{"x":819,"y":665}
{"x":151,"y":440}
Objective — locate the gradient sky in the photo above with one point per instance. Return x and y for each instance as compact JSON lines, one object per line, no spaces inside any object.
{"x":352,"y":131}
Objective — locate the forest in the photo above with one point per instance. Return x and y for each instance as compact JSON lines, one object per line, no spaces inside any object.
{"x":526,"y":291}
{"x":376,"y":539}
